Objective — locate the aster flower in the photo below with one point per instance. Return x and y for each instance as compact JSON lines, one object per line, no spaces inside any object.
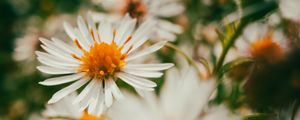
{"x":145,"y":9}
{"x":65,"y":109}
{"x":260,"y":42}
{"x":99,"y":58}
{"x":182,"y":97}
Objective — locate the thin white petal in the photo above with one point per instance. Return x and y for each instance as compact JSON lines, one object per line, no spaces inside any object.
{"x":106,"y":32}
{"x":93,"y":105}
{"x":137,"y":82}
{"x":115,"y":90}
{"x":59,"y":54}
{"x":67,"y":47}
{"x":149,"y":67}
{"x":51,"y":70}
{"x":108,"y":94}
{"x":83,"y":29}
{"x":56,"y":60}
{"x":126,"y":28}
{"x":54,"y":64}
{"x":89,"y":97}
{"x":92,"y":26}
{"x":85,"y":91}
{"x":146,"y":51}
{"x":168,"y":10}
{"x":70,"y":31}
{"x":141,"y":35}
{"x":67,"y":90}
{"x":62,"y":80}
{"x":146,"y":74}
{"x":82,"y":41}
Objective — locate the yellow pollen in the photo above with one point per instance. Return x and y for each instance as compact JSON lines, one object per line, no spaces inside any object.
{"x":102,"y":60}
{"x":87,"y":116}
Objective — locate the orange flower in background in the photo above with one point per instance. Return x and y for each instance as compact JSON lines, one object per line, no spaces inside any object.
{"x":265,"y":49}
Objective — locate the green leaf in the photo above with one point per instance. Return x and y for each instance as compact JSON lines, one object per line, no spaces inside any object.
{"x":237,"y":62}
{"x":259,"y":116}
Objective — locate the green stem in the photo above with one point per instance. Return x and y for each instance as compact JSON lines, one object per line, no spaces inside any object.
{"x":228,"y":45}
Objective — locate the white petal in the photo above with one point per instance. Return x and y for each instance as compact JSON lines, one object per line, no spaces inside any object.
{"x":115,"y":90}
{"x":56,"y":60}
{"x":85,"y":32}
{"x":93,"y":104}
{"x":51,"y":70}
{"x":55,"y":65}
{"x":141,"y":35}
{"x":146,"y":74}
{"x":59,"y":54}
{"x":89,"y":97}
{"x":82,"y":41}
{"x":67,"y":90}
{"x":137,"y":82}
{"x":168,"y":26}
{"x":106,"y":32}
{"x":125,"y":29}
{"x":62,"y":80}
{"x":67,"y":47}
{"x":70,"y":31}
{"x":146,"y":51}
{"x":170,"y":9}
{"x":85,"y":91}
{"x":149,"y":67}
{"x":166,"y":35}
{"x":92,"y":27}
{"x":108,"y":95}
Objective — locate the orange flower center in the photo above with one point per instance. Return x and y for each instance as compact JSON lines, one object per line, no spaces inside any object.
{"x":135,"y":8}
{"x":102,"y":60}
{"x":87,"y":116}
{"x":266,"y":49}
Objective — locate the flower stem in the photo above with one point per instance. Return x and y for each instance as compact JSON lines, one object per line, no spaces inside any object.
{"x":229,"y":44}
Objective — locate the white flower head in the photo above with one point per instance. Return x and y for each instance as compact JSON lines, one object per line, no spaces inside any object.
{"x":257,"y":41}
{"x":99,"y":58}
{"x":145,"y":9}
{"x":182,"y":97}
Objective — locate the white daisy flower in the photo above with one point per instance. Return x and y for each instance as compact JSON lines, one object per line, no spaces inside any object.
{"x":183,"y":97}
{"x":145,"y":9}
{"x":99,"y":59}
{"x":64,"y":109}
{"x":258,"y":41}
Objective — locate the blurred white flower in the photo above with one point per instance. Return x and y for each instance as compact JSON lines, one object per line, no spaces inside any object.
{"x":99,"y":59}
{"x":26,"y":45}
{"x":290,"y":9}
{"x":182,"y":97}
{"x":147,"y":9}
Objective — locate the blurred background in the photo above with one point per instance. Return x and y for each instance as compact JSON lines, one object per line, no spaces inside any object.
{"x":262,"y":87}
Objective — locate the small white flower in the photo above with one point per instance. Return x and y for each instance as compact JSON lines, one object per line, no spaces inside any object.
{"x":99,"y":58}
{"x":145,"y":9}
{"x":183,"y":97}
